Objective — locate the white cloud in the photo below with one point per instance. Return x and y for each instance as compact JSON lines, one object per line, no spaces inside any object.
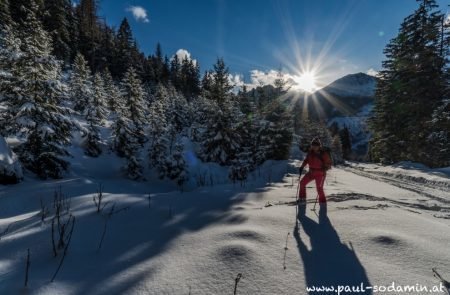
{"x":139,"y":13}
{"x":237,"y":80}
{"x":372,"y":72}
{"x":183,"y":53}
{"x":259,"y":78}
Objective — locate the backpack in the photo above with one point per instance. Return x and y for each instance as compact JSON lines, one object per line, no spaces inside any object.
{"x":326,"y":150}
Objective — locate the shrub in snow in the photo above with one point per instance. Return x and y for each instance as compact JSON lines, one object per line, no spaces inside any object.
{"x":10,"y":169}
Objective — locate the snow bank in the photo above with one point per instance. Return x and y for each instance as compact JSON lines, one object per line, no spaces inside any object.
{"x":10,"y":169}
{"x":408,"y":171}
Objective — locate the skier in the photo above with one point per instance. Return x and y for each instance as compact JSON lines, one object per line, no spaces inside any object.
{"x":319,"y":162}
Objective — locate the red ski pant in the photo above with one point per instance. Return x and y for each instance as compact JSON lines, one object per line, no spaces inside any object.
{"x":319,"y":177}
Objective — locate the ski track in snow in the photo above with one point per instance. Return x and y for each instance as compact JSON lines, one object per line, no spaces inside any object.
{"x":377,"y":229}
{"x":431,"y":195}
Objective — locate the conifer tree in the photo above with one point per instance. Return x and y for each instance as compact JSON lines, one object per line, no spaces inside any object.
{"x":133,"y":96}
{"x":411,"y":85}
{"x":124,"y":48}
{"x":220,"y":142}
{"x":88,"y":30}
{"x":177,"y":167}
{"x":95,"y":115}
{"x":80,"y":84}
{"x":9,"y":51}
{"x":58,"y":20}
{"x":175,"y":72}
{"x":34,"y":101}
{"x":278,"y":132}
{"x":345,"y":137}
{"x":159,"y":142}
{"x":220,"y":87}
{"x":128,"y":129}
{"x":112,"y":92}
{"x":207,"y":84}
{"x":336,"y":150}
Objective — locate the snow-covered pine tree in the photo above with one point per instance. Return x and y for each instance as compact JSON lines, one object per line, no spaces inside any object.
{"x":219,"y":141}
{"x":59,"y":21}
{"x":176,"y":165}
{"x":80,"y":84}
{"x":159,"y":133}
{"x":246,"y":158}
{"x":128,"y":128}
{"x":33,"y":101}
{"x":126,"y":145}
{"x":203,"y":108}
{"x":9,"y":51}
{"x":113,"y":98}
{"x":5,"y":16}
{"x":133,"y":94}
{"x":247,"y":105}
{"x":177,"y":110}
{"x":95,"y":114}
{"x":278,"y":132}
{"x":165,"y":148}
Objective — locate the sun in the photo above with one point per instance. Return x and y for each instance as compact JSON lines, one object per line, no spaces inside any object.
{"x":306,"y":81}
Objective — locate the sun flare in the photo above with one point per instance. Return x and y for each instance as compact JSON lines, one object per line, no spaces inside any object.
{"x":306,"y":81}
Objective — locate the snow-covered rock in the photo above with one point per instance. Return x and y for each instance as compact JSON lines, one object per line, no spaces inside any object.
{"x":10,"y":169}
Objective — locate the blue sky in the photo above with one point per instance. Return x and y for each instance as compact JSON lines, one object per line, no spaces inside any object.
{"x":328,"y":37}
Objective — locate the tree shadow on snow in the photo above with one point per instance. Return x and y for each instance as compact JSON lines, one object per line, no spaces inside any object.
{"x":329,"y":262}
{"x":134,"y":240}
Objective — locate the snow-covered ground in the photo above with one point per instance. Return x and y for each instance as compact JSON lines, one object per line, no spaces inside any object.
{"x":378,"y":228}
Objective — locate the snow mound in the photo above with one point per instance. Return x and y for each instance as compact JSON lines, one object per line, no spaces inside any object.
{"x":10,"y":169}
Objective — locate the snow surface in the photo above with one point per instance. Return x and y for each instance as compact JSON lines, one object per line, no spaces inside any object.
{"x":379,"y":228}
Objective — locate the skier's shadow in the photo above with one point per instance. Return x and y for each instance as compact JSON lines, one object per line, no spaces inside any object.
{"x":329,"y":262}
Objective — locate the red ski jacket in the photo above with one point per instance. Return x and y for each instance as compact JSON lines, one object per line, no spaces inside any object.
{"x":317,"y":161}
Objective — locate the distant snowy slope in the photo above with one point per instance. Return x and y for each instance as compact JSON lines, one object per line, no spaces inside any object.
{"x":359,"y":84}
{"x":344,"y":97}
{"x":357,"y":126}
